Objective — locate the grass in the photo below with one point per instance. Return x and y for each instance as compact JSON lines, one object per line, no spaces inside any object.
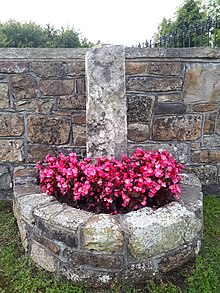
{"x":19,"y":275}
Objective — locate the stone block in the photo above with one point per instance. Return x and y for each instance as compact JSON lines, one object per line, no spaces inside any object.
{"x":138,"y":132}
{"x":218,"y":125}
{"x":102,"y":233}
{"x":153,"y":84}
{"x":47,"y":212}
{"x":153,"y":68}
{"x":181,"y":128}
{"x":202,"y":83}
{"x":48,"y":130}
{"x":70,"y":218}
{"x":79,"y":118}
{"x":156,"y":232}
{"x":11,"y":124}
{"x":69,"y":238}
{"x":170,"y":98}
{"x":12,"y":150}
{"x":37,"y":152}
{"x":170,"y":108}
{"x":178,"y":150}
{"x":48,"y":69}
{"x":72,"y":102}
{"x":13,"y":67}
{"x":43,"y":257}
{"x":79,"y":135}
{"x":23,"y":87}
{"x":106,"y":102}
{"x":209,"y":156}
{"x":20,"y":190}
{"x":75,"y":68}
{"x":41,"y":106}
{"x":205,"y":107}
{"x":206,"y":173}
{"x":211,"y":141}
{"x":94,"y":260}
{"x":209,"y":126}
{"x":56,"y":87}
{"x":4,"y":97}
{"x":5,"y":178}
{"x":50,"y":245}
{"x":139,"y":107}
{"x":26,"y":204}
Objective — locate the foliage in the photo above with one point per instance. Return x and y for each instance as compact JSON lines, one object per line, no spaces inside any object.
{"x":112,"y":186}
{"x":191,"y":16}
{"x":23,"y":276}
{"x":22,"y":35}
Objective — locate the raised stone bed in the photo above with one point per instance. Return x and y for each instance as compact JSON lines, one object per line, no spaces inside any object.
{"x":104,"y":251}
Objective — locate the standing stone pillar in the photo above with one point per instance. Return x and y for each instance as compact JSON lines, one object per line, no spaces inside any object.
{"x":106,"y":112}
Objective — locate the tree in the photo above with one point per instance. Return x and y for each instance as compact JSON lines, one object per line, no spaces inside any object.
{"x":20,"y":35}
{"x":186,"y":17}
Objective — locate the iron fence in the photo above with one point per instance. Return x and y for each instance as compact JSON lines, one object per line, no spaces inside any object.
{"x":200,"y":34}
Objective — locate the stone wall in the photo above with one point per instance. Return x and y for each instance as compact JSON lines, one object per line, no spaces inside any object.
{"x":42,"y":107}
{"x":172,"y":102}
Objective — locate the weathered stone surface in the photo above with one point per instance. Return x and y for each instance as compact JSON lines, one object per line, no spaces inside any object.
{"x":22,"y":226}
{"x":72,"y":102}
{"x":5,"y":178}
{"x":38,"y":152}
{"x":42,"y":106}
{"x":153,"y":68}
{"x":56,"y":233}
{"x":11,"y":150}
{"x":79,"y":118}
{"x":154,"y":232}
{"x":48,"y":69}
{"x":206,"y":173}
{"x":202,"y":83}
{"x":51,"y":245}
{"x":206,"y":156}
{"x":79,"y":135}
{"x":209,"y":126}
{"x":178,"y":150}
{"x":76,"y":67}
{"x":13,"y":67}
{"x":211,"y":141}
{"x":155,"y":84}
{"x":218,"y":125}
{"x":181,"y":128}
{"x":70,"y":218}
{"x":4,"y":97}
{"x":102,"y":233}
{"x":139,"y":108}
{"x":57,"y":87}
{"x":170,"y":98}
{"x":23,"y":87}
{"x":20,"y":190}
{"x":48,"y":130}
{"x":11,"y":124}
{"x":24,"y":171}
{"x":138,"y":132}
{"x":204,"y":107}
{"x":26,"y":204}
{"x":170,"y":108}
{"x":46,"y":212}
{"x":106,"y":102}
{"x":94,"y":260}
{"x":43,"y":257}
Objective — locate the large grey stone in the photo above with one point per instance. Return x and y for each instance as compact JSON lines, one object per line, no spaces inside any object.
{"x":106,"y":102}
{"x":5,"y":178}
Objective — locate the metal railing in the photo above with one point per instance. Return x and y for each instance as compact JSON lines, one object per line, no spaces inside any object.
{"x":200,"y":34}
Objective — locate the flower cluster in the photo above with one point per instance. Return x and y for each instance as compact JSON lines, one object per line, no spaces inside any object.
{"x":111,"y":186}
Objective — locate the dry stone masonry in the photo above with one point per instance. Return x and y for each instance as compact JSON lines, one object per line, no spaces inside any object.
{"x":171,"y":95}
{"x":104,"y":251}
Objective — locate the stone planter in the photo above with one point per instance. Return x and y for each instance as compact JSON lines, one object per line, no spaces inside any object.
{"x":104,"y":251}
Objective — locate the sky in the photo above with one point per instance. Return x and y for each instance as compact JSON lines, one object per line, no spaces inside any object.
{"x":119,"y":22}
